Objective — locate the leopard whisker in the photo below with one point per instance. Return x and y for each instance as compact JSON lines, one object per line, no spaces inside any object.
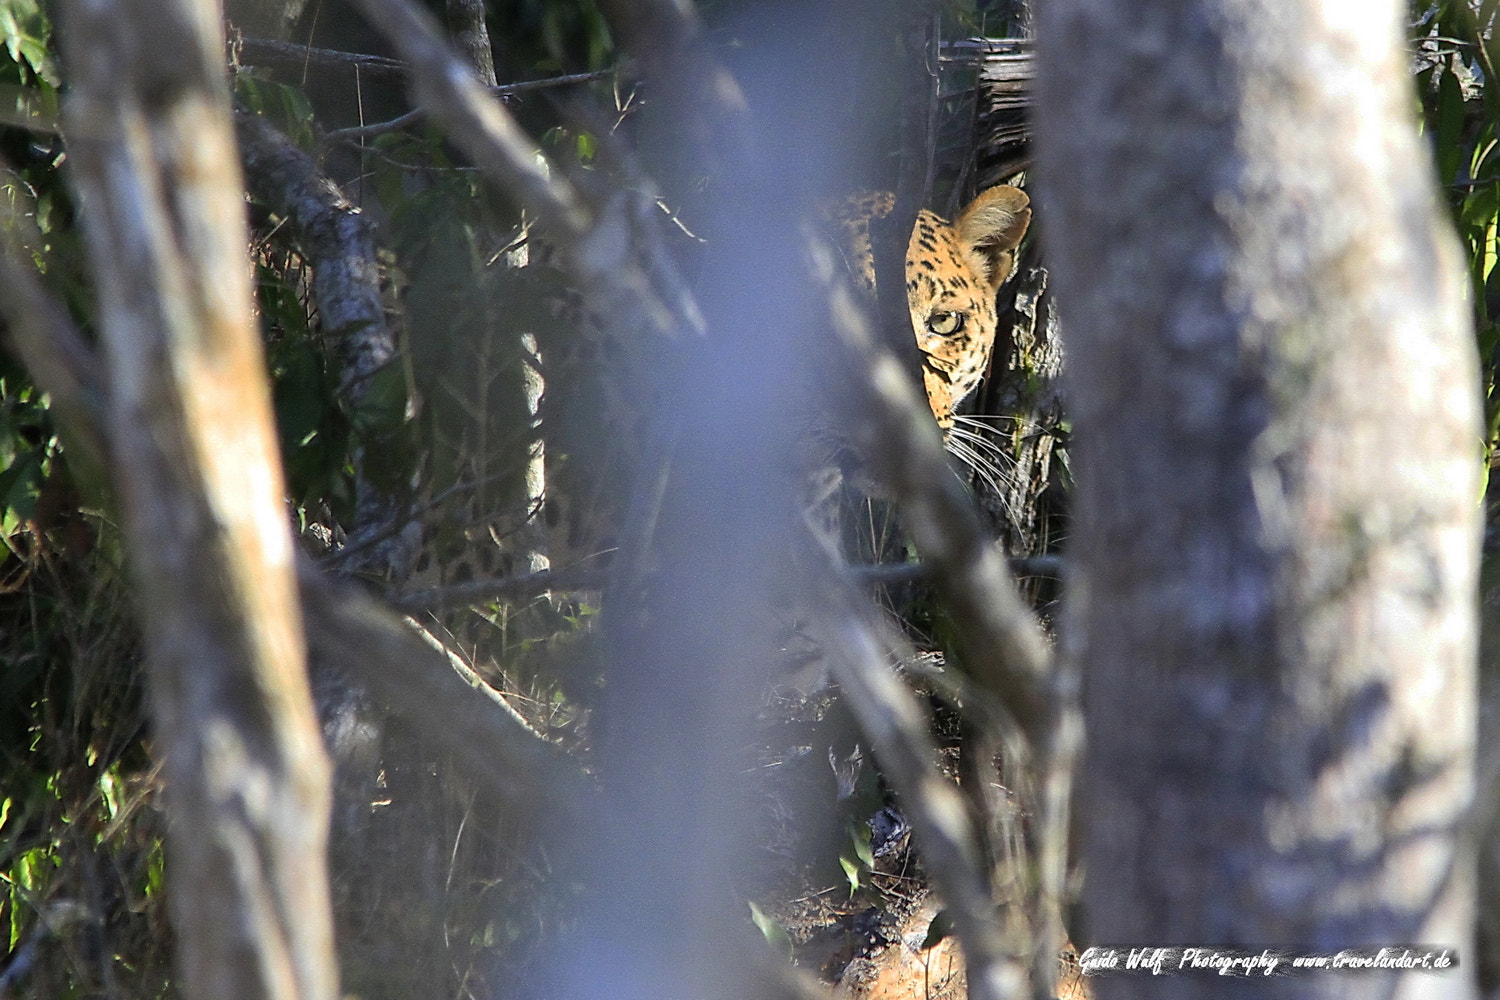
{"x":994,"y":467}
{"x":973,"y":459}
{"x":983,"y":442}
{"x":985,"y":449}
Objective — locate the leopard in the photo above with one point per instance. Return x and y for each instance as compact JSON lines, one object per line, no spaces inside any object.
{"x":954,"y":271}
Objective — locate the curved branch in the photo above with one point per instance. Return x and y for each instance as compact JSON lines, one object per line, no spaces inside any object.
{"x":335,"y":239}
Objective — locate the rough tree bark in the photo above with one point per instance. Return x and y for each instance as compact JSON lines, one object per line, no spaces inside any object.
{"x":1276,"y":447}
{"x":197,"y":472}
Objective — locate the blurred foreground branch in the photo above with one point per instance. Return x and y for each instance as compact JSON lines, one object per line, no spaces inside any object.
{"x":197,"y":471}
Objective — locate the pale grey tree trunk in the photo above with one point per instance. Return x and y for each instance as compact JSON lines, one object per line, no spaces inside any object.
{"x":196,"y":471}
{"x":1276,"y":446}
{"x":471,"y":38}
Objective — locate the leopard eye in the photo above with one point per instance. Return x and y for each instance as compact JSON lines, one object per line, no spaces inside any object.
{"x":945,"y":324}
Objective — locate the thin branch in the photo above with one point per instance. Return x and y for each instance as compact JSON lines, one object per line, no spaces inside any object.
{"x":470,"y":676}
{"x":701,"y":98}
{"x":417,"y":683}
{"x":269,"y":50}
{"x":503,"y":90}
{"x":600,"y":246}
{"x":888,"y":574}
{"x":480,"y":126}
{"x":529,"y":585}
{"x":378,"y":533}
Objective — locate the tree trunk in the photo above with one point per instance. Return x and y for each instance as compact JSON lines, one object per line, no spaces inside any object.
{"x":1276,"y":446}
{"x":198,"y":476}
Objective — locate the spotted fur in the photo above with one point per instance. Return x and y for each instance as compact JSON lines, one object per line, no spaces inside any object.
{"x":953,"y":271}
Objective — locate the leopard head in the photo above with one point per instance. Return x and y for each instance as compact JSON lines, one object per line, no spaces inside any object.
{"x":953,"y":271}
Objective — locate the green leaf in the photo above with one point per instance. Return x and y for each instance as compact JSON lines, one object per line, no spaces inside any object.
{"x":299,"y":396}
{"x":586,"y":147}
{"x":284,"y":105}
{"x":27,"y":35}
{"x":20,"y":484}
{"x":1488,"y":308}
{"x":775,"y":935}
{"x":1480,"y":207}
{"x":382,"y":411}
{"x":851,"y":868}
{"x":859,"y":838}
{"x":156,"y":870}
{"x":1450,"y":122}
{"x":1482,"y":162}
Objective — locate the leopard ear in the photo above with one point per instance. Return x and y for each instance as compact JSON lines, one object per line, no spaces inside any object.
{"x":991,"y":228}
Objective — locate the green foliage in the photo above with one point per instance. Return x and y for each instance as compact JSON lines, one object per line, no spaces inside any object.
{"x":565,"y":145}
{"x":284,"y":105}
{"x":26,"y":447}
{"x":28,"y":83}
{"x":466,"y":358}
{"x":856,"y":859}
{"x":30,"y":149}
{"x":541,"y":37}
{"x":315,"y":433}
{"x":81,"y":857}
{"x":1461,"y":111}
{"x":27,"y":35}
